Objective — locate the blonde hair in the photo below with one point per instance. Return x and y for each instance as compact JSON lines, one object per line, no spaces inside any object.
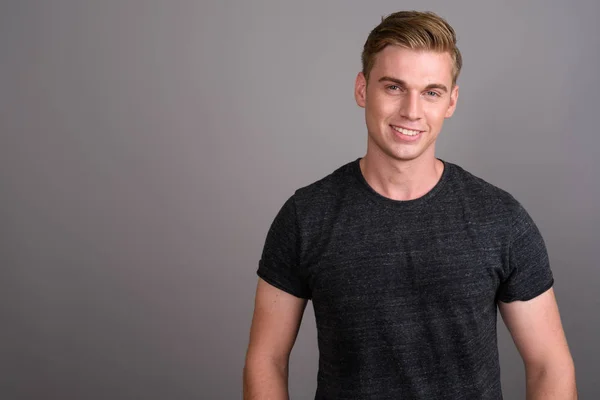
{"x":414,"y":30}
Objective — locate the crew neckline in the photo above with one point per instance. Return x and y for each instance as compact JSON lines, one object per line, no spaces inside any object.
{"x":386,"y":201}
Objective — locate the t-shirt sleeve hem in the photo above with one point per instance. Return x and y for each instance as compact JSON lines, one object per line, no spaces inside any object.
{"x":528,"y":295}
{"x":264,"y":274}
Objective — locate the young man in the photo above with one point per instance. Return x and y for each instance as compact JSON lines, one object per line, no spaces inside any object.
{"x":406,"y":257}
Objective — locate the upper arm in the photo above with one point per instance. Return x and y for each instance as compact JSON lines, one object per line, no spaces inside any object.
{"x":536,"y":329}
{"x":275,"y":324}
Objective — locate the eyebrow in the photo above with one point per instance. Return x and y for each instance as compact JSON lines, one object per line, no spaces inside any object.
{"x":400,"y":82}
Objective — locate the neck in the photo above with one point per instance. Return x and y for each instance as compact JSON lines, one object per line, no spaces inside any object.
{"x":401,"y":180}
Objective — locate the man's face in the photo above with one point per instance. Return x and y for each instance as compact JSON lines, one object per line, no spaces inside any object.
{"x":407,"y":98}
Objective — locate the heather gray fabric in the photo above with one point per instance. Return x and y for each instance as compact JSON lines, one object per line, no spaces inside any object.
{"x":404,"y":292}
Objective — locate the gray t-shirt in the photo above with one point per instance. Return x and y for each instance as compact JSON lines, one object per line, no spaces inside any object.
{"x":404,"y":292}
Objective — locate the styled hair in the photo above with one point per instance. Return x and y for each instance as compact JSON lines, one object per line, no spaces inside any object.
{"x":413,"y":30}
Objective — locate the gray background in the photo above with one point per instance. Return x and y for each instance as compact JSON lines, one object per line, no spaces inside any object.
{"x":146,"y":146}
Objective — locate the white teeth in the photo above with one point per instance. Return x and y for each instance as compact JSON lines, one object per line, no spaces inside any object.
{"x":406,"y":131}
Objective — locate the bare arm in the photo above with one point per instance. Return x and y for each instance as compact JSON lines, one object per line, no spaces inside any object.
{"x":275,"y":324}
{"x":537,"y":331}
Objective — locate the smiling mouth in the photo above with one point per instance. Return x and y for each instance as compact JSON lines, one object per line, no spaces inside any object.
{"x":404,"y":131}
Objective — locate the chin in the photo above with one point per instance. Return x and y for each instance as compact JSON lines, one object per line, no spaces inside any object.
{"x":402,"y":156}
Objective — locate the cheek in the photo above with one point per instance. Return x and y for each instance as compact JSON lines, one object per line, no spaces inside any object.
{"x":381,"y":109}
{"x":436,"y":114}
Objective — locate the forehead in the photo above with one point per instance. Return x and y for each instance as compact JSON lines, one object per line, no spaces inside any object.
{"x":416,"y":66}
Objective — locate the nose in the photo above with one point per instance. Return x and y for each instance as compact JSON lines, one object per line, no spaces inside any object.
{"x":411,"y":106}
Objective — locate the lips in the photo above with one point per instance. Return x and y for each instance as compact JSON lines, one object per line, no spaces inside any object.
{"x":405,"y":131}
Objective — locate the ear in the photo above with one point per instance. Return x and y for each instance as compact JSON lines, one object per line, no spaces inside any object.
{"x":453,"y":100}
{"x":360,"y":90}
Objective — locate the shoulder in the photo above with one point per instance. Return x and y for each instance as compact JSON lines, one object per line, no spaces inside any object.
{"x":474,"y":186}
{"x":326,"y":191}
{"x":483,"y":198}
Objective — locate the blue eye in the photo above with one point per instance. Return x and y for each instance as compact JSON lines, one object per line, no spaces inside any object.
{"x":433,"y":94}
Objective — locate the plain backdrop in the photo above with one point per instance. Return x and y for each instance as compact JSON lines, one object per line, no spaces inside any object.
{"x":146,"y":146}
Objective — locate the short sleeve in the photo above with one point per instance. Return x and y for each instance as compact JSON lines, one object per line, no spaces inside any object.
{"x":529,"y":273}
{"x":280,"y":261}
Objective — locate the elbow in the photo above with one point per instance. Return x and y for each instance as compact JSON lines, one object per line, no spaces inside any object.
{"x":554,"y":379}
{"x":264,"y":377}
{"x":257,"y":360}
